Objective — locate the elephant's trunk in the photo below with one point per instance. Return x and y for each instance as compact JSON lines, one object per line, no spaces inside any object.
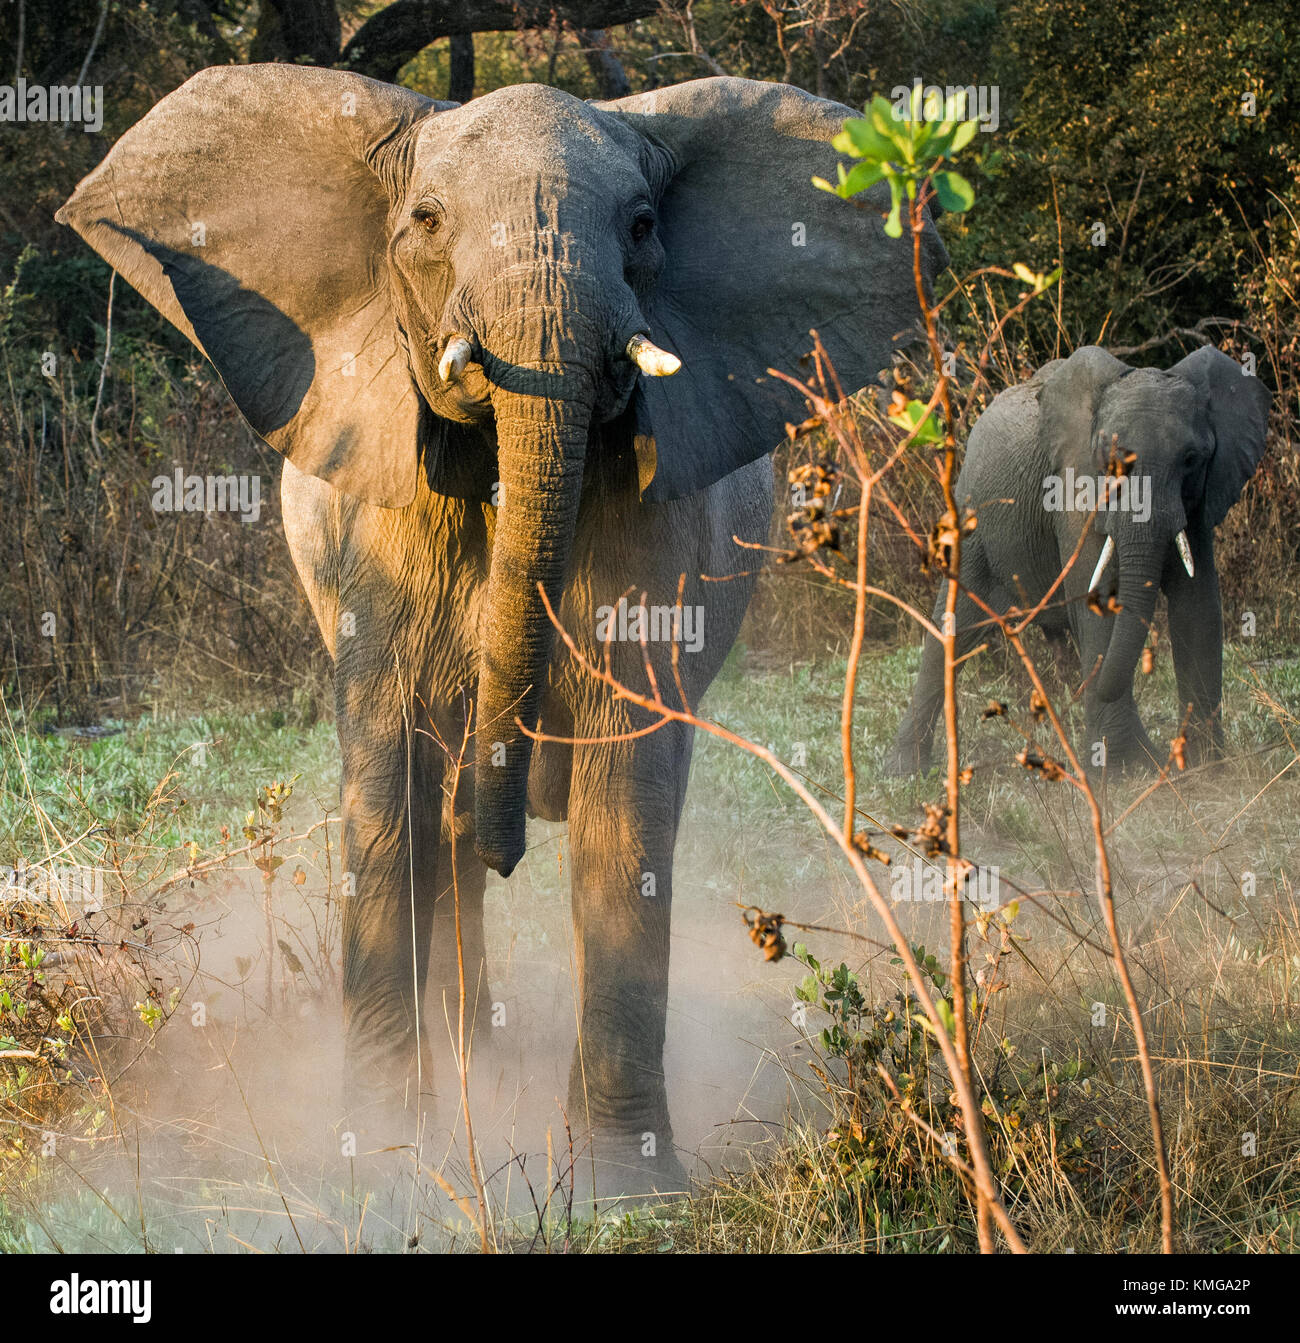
{"x":542,"y":443}
{"x":1140,"y":564}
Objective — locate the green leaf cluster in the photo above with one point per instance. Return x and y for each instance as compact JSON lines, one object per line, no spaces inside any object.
{"x":904,"y":152}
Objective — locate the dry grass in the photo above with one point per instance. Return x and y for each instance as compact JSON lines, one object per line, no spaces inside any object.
{"x":106,"y":605}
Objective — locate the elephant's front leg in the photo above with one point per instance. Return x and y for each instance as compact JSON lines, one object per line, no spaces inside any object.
{"x":1114,"y":738}
{"x":910,"y":752}
{"x":625,"y":804}
{"x":390,"y":859}
{"x":1196,"y":635}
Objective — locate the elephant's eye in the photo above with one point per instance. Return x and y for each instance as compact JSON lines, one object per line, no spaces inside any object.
{"x":429,"y":217}
{"x":642,"y":227}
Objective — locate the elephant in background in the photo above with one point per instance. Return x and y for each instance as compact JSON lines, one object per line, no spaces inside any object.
{"x":452,"y":322}
{"x":1034,"y":471}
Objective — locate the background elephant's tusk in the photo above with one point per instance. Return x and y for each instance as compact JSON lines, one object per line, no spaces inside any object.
{"x":1106,"y":552}
{"x":650,"y":359}
{"x":1185,"y":554}
{"x":454,"y":358}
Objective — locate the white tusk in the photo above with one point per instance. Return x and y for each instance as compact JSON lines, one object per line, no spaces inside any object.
{"x":454,"y":358}
{"x":1185,"y":554}
{"x":650,"y":359}
{"x":1106,"y":552}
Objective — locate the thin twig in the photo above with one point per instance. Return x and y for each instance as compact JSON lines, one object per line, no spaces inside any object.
{"x":966,"y":1096}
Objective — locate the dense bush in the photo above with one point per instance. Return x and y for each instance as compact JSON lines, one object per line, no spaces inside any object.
{"x":105,"y":603}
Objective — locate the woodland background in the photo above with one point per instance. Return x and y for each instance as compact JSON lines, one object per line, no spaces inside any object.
{"x":1134,"y":113}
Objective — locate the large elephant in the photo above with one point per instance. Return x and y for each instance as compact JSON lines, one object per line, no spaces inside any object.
{"x":439,"y":315}
{"x":1034,"y":473}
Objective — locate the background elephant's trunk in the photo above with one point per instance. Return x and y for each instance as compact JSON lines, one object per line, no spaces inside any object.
{"x":542,"y":442}
{"x":1140,"y":564}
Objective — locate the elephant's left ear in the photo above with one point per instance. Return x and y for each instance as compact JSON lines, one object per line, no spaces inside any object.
{"x":1239,"y":419}
{"x":756,"y":256}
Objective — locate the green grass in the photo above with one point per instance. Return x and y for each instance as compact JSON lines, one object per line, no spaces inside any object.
{"x":213,"y":764}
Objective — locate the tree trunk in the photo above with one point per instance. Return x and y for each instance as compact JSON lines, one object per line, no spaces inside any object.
{"x":460,"y":78}
{"x":291,"y":30}
{"x":611,"y":78}
{"x":400,"y":31}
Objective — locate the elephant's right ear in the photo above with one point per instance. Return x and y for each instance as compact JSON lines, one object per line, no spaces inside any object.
{"x":1071,"y":392}
{"x":250,"y":208}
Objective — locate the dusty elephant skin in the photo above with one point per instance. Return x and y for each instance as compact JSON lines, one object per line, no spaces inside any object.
{"x":431,"y":311}
{"x":1033,"y":474}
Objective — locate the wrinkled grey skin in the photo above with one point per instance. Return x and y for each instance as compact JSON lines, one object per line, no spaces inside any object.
{"x":349,"y":230}
{"x":1198,"y":431}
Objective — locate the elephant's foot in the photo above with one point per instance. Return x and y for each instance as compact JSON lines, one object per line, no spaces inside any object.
{"x":907,"y":756}
{"x":378,"y":1140}
{"x":630,"y":1167}
{"x":1122,"y":765}
{"x":1204,"y":741}
{"x":378,"y":1112}
{"x":628,"y":1145}
{"x":1130,"y":757}
{"x":384,"y":1093}
{"x":379,"y":1147}
{"x":1117,"y":744}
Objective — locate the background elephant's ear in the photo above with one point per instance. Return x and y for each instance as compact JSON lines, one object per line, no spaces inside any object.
{"x":755,"y":257}
{"x":1239,"y":420}
{"x":1069,"y":396}
{"x":250,"y":207}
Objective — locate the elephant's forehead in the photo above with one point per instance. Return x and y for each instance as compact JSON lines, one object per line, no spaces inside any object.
{"x":532,"y":127}
{"x":1164,"y":418}
{"x":1151,"y":391}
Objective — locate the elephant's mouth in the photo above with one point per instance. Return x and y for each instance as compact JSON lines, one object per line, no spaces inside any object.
{"x":1181,"y":547}
{"x":465,"y":397}
{"x":1134,"y":569}
{"x":461,"y":389}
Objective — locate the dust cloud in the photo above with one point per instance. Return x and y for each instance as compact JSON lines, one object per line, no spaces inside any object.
{"x":230,"y":1127}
